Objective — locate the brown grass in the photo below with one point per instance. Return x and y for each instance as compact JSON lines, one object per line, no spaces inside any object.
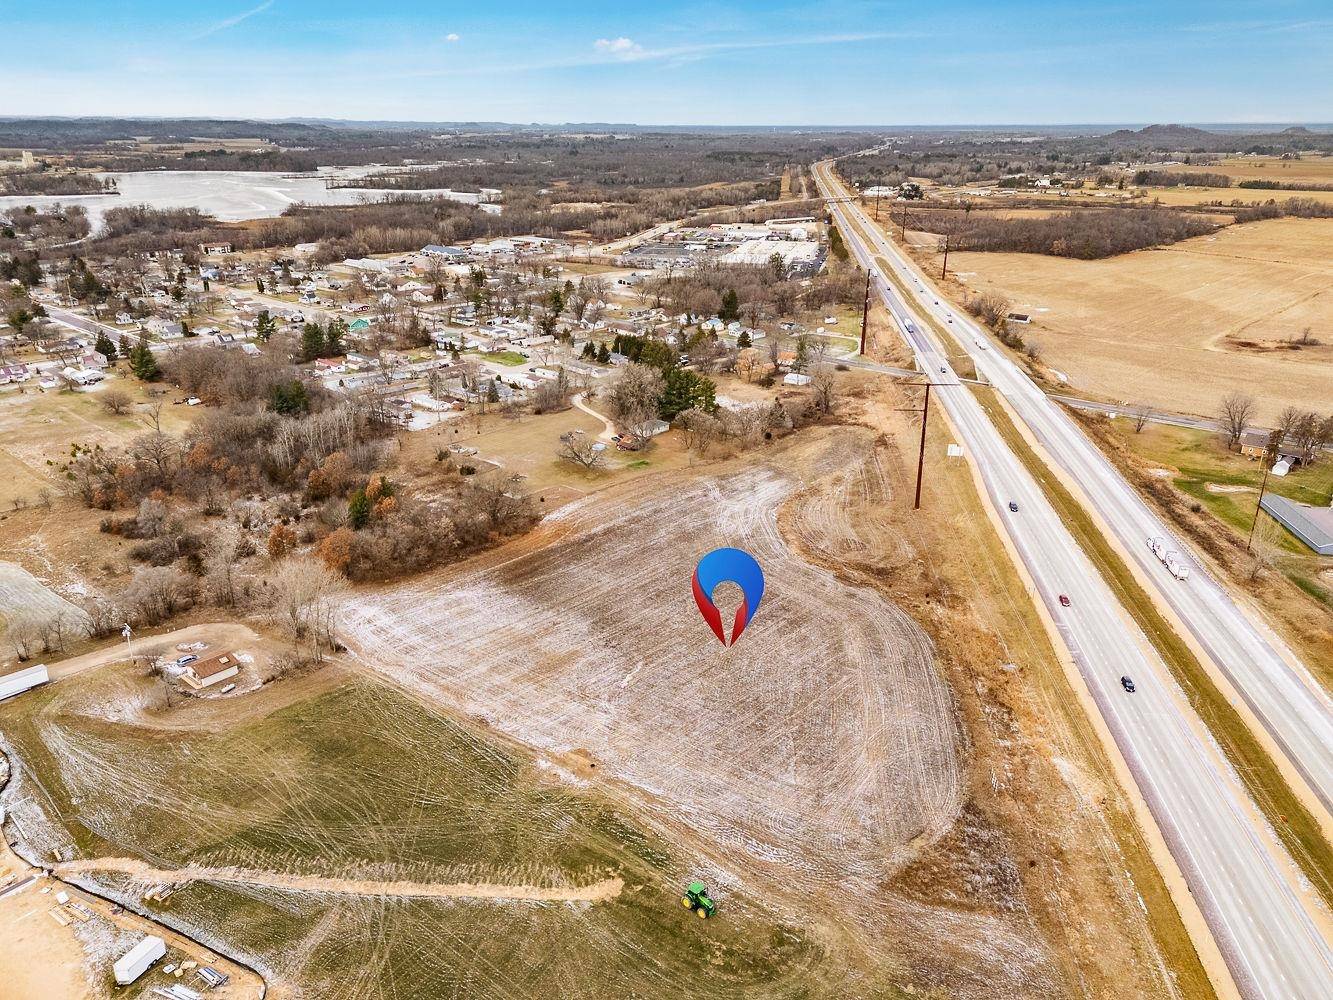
{"x":1130,"y":328}
{"x":1307,"y":170}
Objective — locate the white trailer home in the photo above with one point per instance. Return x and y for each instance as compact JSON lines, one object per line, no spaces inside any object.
{"x":22,"y":680}
{"x":139,"y":959}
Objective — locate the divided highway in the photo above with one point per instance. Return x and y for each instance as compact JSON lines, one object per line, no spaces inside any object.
{"x":1290,"y":704}
{"x":1264,"y":918}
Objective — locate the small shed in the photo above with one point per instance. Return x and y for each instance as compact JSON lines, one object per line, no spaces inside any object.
{"x":796,"y":378}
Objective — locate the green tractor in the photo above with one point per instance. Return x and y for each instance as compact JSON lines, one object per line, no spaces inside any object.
{"x":696,"y":898}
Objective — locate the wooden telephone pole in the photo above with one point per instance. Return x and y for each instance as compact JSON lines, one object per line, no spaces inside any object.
{"x":1272,"y":452}
{"x":921,"y":451}
{"x":865,"y":311}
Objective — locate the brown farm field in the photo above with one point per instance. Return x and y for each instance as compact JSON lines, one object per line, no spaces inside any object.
{"x":887,"y":782}
{"x":1309,"y":169}
{"x":1180,"y":326}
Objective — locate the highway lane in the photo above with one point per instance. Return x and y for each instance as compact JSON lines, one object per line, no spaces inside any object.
{"x":1261,"y":913}
{"x":1289,"y":703}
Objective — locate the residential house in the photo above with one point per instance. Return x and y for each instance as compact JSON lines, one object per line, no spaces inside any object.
{"x":1254,"y":444}
{"x":214,"y":670}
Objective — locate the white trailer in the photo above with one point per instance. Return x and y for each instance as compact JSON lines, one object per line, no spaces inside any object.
{"x":22,"y":680}
{"x":139,"y":959}
{"x":1177,"y":566}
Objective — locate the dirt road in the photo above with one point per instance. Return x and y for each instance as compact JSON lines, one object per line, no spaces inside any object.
{"x":596,"y":892}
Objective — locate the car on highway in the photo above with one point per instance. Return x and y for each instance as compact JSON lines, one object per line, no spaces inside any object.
{"x":1128,"y":684}
{"x":1013,"y":506}
{"x":1064,"y":601}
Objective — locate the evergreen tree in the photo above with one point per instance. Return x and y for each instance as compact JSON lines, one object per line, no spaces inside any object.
{"x":835,"y":243}
{"x":125,"y":346}
{"x":312,"y":342}
{"x":265,"y":327}
{"x":105,"y":347}
{"x":731,"y":306}
{"x":259,"y":284}
{"x":492,"y":393}
{"x":142,"y":362}
{"x":685,"y":389}
{"x":289,"y":397}
{"x":358,"y":509}
{"x":186,"y":331}
{"x":334,"y":334}
{"x":603,"y":354}
{"x":744,"y":340}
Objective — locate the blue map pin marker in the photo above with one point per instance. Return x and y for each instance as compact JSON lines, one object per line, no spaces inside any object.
{"x":728,"y":566}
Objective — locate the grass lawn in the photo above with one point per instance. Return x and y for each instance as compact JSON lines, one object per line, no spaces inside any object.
{"x":511,"y":358}
{"x":1199,"y":459}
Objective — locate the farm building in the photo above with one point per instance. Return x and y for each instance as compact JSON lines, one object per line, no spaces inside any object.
{"x":214,"y":670}
{"x":1312,"y":525}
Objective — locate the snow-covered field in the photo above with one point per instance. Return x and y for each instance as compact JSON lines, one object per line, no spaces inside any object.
{"x":822,"y":745}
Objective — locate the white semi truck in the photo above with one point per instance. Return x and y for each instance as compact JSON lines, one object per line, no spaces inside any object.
{"x":1173,"y":561}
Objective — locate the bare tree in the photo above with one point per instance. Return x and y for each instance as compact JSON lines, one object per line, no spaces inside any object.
{"x":1264,"y":548}
{"x":103,"y":617}
{"x":821,"y":389}
{"x":115,"y":401}
{"x":305,"y":600}
{"x":700,"y":430}
{"x":1234,"y":415}
{"x":1141,"y":415}
{"x":223,"y":551}
{"x":24,"y":632}
{"x":634,"y":395}
{"x":158,"y":592}
{"x":579,"y":449}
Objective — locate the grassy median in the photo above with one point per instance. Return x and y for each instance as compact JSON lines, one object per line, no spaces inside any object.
{"x":1295,"y":825}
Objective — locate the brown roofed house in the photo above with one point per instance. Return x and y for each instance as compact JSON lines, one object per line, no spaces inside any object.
{"x":214,"y":670}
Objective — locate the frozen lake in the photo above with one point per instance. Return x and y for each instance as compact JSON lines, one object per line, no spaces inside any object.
{"x":229,"y":195}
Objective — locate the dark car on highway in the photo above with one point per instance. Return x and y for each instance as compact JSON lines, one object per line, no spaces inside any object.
{"x":1013,"y":506}
{"x":1127,"y":684}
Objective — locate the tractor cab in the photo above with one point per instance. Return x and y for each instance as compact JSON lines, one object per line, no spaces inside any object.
{"x":696,"y":898}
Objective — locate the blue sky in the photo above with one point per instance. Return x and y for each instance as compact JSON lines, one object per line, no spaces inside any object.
{"x":832,"y":62}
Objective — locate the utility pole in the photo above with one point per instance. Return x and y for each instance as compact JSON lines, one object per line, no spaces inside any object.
{"x":902,"y":233}
{"x":879,"y":189}
{"x":865,"y":311}
{"x":945,"y":269}
{"x":1271,"y":453}
{"x":921,"y":453}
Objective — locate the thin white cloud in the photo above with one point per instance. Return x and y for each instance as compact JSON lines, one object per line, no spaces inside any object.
{"x":231,"y":22}
{"x":622,"y":48}
{"x":453,"y":36}
{"x":626,"y":50}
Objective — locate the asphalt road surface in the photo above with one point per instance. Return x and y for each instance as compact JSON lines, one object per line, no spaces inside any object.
{"x":1261,"y":912}
{"x":1288,"y":701}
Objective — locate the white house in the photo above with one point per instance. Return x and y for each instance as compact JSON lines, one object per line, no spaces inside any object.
{"x":795,"y":378}
{"x":214,"y":670}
